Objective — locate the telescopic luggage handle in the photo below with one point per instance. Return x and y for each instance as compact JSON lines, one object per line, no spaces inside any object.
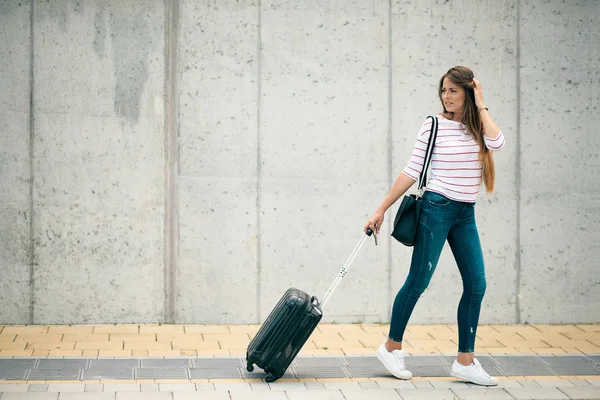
{"x":344,"y":269}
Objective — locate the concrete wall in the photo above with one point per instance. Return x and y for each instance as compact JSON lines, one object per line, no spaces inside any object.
{"x":187,"y":161}
{"x":559,"y":193}
{"x":89,"y":165}
{"x":15,"y":167}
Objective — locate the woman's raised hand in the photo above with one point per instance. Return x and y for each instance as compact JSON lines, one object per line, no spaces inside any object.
{"x":478,"y":94}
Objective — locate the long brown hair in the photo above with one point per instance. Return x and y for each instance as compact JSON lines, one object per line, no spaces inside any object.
{"x":463,"y":77}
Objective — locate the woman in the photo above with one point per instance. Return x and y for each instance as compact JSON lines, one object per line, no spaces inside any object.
{"x":461,"y":158}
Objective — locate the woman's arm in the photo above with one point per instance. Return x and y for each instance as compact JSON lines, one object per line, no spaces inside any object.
{"x":402,"y":184}
{"x":490,"y":128}
{"x":409,"y":175}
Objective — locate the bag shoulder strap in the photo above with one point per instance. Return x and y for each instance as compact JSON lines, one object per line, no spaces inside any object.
{"x":428,"y":153}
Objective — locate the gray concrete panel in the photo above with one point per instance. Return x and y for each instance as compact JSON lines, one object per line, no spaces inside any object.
{"x":218,"y":67}
{"x":324,"y":150}
{"x":218,"y":139}
{"x":15,"y":213}
{"x":560,"y":47}
{"x":309,"y":230}
{"x":98,"y":162}
{"x":217,"y":263}
{"x":324,"y":90}
{"x":427,"y":41}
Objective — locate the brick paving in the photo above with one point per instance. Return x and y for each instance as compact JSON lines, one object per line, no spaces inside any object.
{"x":562,"y":348}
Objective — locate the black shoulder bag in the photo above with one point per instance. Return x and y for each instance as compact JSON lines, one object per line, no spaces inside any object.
{"x":407,"y":217}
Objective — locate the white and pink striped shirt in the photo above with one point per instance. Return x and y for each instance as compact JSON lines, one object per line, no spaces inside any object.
{"x":455,"y":168}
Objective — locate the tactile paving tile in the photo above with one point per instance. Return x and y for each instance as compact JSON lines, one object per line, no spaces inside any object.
{"x":429,"y":361}
{"x":215,"y":373}
{"x":302,"y":362}
{"x":359,"y":362}
{"x":17,"y":363}
{"x":38,"y":374}
{"x":62,"y":363}
{"x":427,"y":366}
{"x":107,"y":373}
{"x":161,"y":373}
{"x":365,"y":367}
{"x":571,"y":365}
{"x":14,"y":374}
{"x":429,"y":371}
{"x":320,"y":372}
{"x":595,"y":359}
{"x":166,"y":363}
{"x":369,"y":372}
{"x":115,"y":363}
{"x":523,"y":366}
{"x":15,"y":369}
{"x":323,"y":367}
{"x":218,"y":363}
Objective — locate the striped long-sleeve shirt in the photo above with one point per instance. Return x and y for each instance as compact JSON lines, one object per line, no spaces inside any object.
{"x":455,"y":168}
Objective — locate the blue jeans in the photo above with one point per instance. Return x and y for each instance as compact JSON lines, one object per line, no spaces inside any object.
{"x":441,"y":219}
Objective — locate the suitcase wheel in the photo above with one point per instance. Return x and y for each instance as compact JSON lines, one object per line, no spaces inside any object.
{"x":272,"y":378}
{"x":249,"y":363}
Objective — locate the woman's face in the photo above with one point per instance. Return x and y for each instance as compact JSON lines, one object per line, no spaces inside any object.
{"x":453,"y":97}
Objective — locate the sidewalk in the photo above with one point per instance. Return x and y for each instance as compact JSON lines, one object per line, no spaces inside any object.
{"x":207,"y":362}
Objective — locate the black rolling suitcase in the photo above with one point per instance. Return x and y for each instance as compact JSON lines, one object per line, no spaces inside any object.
{"x":289,"y":326}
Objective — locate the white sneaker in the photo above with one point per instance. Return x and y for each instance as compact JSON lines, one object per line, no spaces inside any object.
{"x":394,"y":362}
{"x":473,"y":373}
